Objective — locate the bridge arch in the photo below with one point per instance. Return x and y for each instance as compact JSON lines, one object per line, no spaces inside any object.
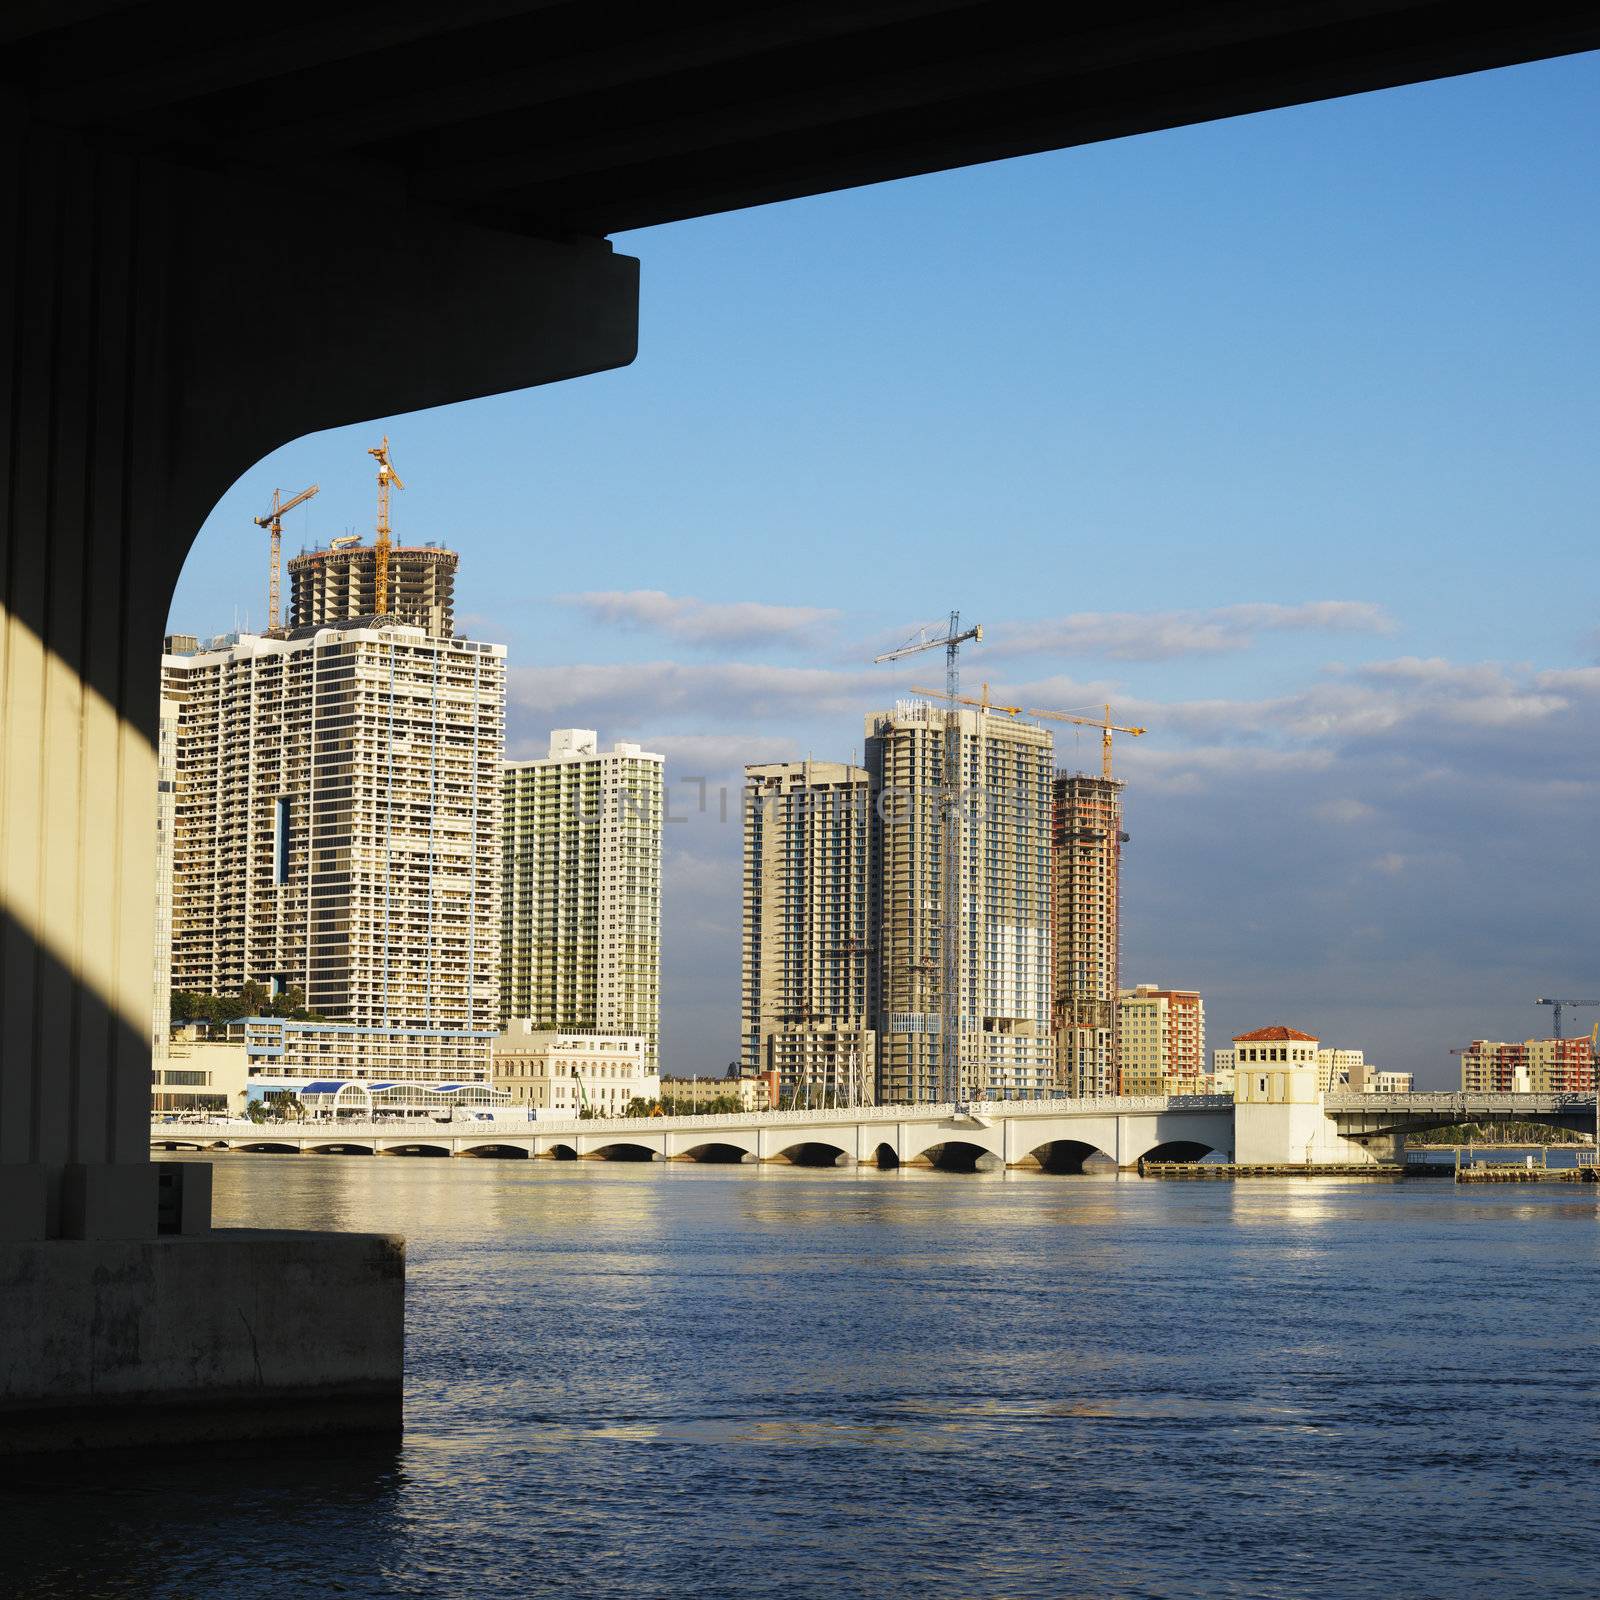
{"x":927,"y":1146}
{"x":961,"y":1155}
{"x":418,"y":1148}
{"x":623,"y":1150}
{"x":1064,"y":1156}
{"x":268,"y":1147}
{"x":561,"y":1152}
{"x":340,"y":1147}
{"x":886,"y":1158}
{"x":814,"y":1152}
{"x":715,"y":1153}
{"x":1177,"y":1150}
{"x":496,"y":1152}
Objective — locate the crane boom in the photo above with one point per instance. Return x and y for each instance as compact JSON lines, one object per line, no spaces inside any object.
{"x":1560,"y":1005}
{"x":387,"y":478}
{"x":273,"y":523}
{"x":1105,"y":724}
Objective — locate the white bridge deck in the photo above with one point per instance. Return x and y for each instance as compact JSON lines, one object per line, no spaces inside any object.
{"x":1056,"y":1134}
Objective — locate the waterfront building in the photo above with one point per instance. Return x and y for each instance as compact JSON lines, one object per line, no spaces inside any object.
{"x":329,"y":586}
{"x":1004,"y":994}
{"x":807,"y":945}
{"x":568,"y":1072}
{"x":754,"y":1093}
{"x":1086,"y":878}
{"x":196,"y":1075}
{"x":581,"y":909}
{"x":1162,"y":1040}
{"x":336,"y":830}
{"x":1532,"y":1066}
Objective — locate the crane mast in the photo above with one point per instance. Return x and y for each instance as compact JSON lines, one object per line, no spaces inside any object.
{"x":273,"y":523}
{"x":387,"y":478}
{"x":949,"y":851}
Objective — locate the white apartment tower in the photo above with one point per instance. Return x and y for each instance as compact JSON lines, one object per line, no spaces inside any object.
{"x":1005,"y":994}
{"x":807,"y":960}
{"x":1086,"y":870}
{"x":337,"y":827}
{"x":581,"y":914}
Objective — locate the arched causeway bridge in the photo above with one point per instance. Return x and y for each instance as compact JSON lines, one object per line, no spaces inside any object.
{"x":1055,"y":1135}
{"x":1058,"y":1135}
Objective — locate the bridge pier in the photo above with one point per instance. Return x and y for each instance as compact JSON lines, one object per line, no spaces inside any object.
{"x":153,"y":351}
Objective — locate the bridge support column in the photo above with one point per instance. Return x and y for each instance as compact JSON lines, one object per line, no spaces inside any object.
{"x":153,"y":351}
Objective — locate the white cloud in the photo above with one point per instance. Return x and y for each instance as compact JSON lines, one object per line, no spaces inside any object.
{"x":1164,"y":635}
{"x":738,"y":624}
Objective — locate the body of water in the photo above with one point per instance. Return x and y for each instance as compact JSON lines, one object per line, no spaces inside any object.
{"x":661,"y":1380}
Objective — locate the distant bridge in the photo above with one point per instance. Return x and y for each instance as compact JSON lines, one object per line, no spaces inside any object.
{"x":1053,"y":1135}
{"x":1057,"y":1135}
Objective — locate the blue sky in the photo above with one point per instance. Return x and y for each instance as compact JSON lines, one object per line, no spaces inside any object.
{"x":1279,"y":432}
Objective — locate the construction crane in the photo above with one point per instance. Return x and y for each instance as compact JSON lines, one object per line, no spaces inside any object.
{"x":387,"y":478}
{"x":1559,"y":1005}
{"x":950,"y":641}
{"x":1106,"y":726}
{"x":273,"y":523}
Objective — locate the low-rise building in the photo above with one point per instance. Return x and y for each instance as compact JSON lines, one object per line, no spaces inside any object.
{"x":1364,"y":1078}
{"x":754,"y":1093}
{"x":282,"y":1048}
{"x":567,"y":1072}
{"x":199,"y":1075}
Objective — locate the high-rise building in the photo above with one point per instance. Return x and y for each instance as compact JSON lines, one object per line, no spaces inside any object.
{"x":807,"y":966}
{"x":1086,"y":840}
{"x":581,"y":914}
{"x":337,"y":829}
{"x":1003,"y":877}
{"x":334,"y":585}
{"x":1162,"y":1035}
{"x":1533,"y":1066}
{"x":166,"y":820}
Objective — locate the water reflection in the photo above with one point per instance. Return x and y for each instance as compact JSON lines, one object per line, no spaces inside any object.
{"x":731,"y":1380}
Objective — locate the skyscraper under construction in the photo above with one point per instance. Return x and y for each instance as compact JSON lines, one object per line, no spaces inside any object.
{"x":341,"y":582}
{"x":807,"y":936}
{"x":1003,"y":905}
{"x":1087,"y":839}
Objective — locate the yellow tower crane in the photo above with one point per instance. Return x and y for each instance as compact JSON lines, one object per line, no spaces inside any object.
{"x":387,"y":478}
{"x":1106,"y":725}
{"x":273,"y":523}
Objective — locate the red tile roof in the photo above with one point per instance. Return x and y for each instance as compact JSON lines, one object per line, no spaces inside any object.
{"x":1261,"y":1034}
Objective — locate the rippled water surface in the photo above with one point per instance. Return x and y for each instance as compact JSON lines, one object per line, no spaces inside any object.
{"x":665,"y":1380}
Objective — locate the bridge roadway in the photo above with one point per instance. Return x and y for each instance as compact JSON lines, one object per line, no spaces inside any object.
{"x":1058,"y":1135}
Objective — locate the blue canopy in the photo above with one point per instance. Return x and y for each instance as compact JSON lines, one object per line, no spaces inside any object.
{"x":325,"y":1086}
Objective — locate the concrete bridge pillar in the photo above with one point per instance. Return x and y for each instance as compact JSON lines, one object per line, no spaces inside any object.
{"x":154,"y":348}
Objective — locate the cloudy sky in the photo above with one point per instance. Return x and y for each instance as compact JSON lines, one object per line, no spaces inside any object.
{"x":1280,"y":434}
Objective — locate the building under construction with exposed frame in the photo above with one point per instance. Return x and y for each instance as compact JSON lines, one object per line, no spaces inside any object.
{"x":1086,"y":911}
{"x":807,"y":967}
{"x":333,"y":585}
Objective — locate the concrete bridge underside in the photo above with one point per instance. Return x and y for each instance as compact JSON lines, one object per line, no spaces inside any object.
{"x":230,"y":226}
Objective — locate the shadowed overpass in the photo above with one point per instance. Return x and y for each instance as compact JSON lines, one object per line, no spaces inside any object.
{"x":228,"y":226}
